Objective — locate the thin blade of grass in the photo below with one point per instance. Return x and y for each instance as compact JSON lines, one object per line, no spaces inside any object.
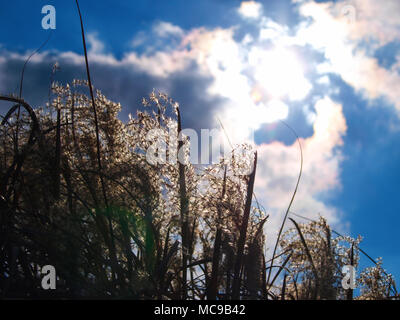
{"x":291,"y":200}
{"x":213,"y":285}
{"x":308,"y":253}
{"x":243,"y":233}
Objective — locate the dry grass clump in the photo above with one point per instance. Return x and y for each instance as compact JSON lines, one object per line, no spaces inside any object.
{"x":148,"y":231}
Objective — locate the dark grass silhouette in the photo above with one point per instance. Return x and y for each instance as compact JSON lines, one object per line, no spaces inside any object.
{"x":77,"y":192}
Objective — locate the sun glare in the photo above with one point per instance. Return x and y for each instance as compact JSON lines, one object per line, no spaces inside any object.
{"x":279,"y":73}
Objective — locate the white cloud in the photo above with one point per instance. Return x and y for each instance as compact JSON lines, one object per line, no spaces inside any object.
{"x":250,"y":9}
{"x":95,"y":45}
{"x":339,"y":40}
{"x":324,"y":80}
{"x":376,"y":21}
{"x":278,"y":169}
{"x":160,"y":64}
{"x":139,"y":39}
{"x":165,"y":29}
{"x":270,"y":30}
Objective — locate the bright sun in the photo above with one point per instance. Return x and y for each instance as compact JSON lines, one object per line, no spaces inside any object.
{"x":274,"y":78}
{"x":279,"y":75}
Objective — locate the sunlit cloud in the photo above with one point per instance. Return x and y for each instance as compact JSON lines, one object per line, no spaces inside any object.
{"x":349,"y":46}
{"x":279,"y":72}
{"x":165,"y":29}
{"x":275,"y":110}
{"x":250,"y":9}
{"x":271,"y":30}
{"x":279,"y":165}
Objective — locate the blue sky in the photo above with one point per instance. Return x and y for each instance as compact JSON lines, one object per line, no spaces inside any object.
{"x":328,"y":68}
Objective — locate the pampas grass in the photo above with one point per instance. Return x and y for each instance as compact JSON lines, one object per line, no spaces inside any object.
{"x":77,"y":192}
